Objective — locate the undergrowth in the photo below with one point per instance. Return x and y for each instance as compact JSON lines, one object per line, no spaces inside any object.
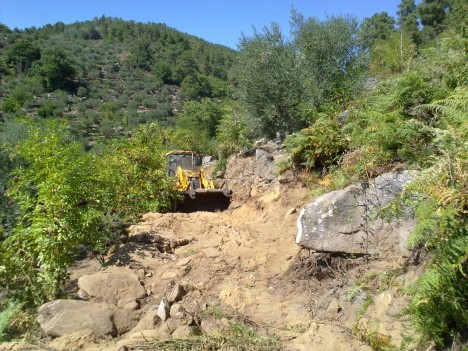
{"x":238,"y":337}
{"x":15,"y":320}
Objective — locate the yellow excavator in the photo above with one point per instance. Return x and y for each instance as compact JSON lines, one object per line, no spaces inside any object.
{"x":198,"y":191}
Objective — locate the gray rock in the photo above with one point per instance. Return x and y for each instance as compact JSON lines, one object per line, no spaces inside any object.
{"x":171,"y":325}
{"x":286,"y":177}
{"x":177,"y":293}
{"x":265,"y":167}
{"x":163,"y":309}
{"x":149,"y":321}
{"x":177,"y":311}
{"x":61,"y":317}
{"x":140,"y":339}
{"x":339,"y":222}
{"x":212,"y":325}
{"x":128,"y":303}
{"x":184,"y":331}
{"x":111,"y":287}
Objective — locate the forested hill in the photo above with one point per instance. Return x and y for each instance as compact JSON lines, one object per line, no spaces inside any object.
{"x":108,"y":75}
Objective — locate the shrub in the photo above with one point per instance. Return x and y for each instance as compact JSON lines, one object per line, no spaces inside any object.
{"x":317,"y":146}
{"x":50,"y":109}
{"x":231,"y":131}
{"x":69,"y":199}
{"x":82,"y":91}
{"x":10,"y":105}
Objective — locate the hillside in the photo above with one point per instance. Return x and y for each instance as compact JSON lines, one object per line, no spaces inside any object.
{"x":107,"y":75}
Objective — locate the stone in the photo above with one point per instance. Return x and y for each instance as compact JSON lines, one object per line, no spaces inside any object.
{"x":140,"y":339}
{"x":177,"y":293}
{"x":265,"y":165}
{"x":336,"y":221}
{"x":212,"y":325}
{"x":163,"y":309}
{"x":124,"y":320}
{"x":177,"y":311}
{"x":169,"y":275}
{"x":184,"y":331}
{"x":61,"y":317}
{"x":334,"y":307}
{"x":149,"y":321}
{"x":286,"y":177}
{"x":110,"y":287}
{"x":128,"y":303}
{"x":171,"y":325}
{"x":184,"y":261}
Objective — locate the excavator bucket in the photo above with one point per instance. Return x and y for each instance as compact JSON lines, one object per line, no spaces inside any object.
{"x":197,"y":191}
{"x":204,"y":200}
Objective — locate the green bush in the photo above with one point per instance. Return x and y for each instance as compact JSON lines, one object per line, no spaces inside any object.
{"x":81,"y":91}
{"x":50,"y":109}
{"x":317,"y":146}
{"x":232,"y":132}
{"x":69,"y":199}
{"x":13,"y":320}
{"x":10,"y":105}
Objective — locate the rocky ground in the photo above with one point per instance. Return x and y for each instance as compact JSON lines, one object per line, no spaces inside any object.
{"x":181,"y":273}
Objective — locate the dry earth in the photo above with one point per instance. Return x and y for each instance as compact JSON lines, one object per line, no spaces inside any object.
{"x":244,"y":263}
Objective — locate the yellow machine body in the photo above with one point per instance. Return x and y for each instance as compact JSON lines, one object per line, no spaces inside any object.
{"x":196,"y":187}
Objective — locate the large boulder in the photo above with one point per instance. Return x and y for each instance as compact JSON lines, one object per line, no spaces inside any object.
{"x":110,"y":287}
{"x":344,"y":221}
{"x":61,"y":317}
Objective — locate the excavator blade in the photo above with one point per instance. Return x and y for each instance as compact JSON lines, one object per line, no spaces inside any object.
{"x":204,"y":200}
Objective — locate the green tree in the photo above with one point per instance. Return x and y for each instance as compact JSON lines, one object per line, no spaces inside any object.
{"x":202,"y":116}
{"x":55,"y":69}
{"x":56,"y":201}
{"x":432,"y":13}
{"x":21,"y":54}
{"x":163,"y":71}
{"x":232,"y":133}
{"x":407,"y":19}
{"x":378,"y":26}
{"x":329,"y":60}
{"x":393,"y":55}
{"x":186,"y":65}
{"x":141,"y":55}
{"x":268,"y":84}
{"x":458,"y":17}
{"x":195,"y":86}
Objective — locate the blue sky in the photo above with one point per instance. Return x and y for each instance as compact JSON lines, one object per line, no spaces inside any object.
{"x":218,"y":21}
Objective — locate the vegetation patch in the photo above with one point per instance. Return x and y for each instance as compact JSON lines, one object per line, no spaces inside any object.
{"x":237,"y":337}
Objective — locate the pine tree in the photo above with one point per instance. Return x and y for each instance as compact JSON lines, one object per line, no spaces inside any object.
{"x":432,"y":13}
{"x":379,"y":26}
{"x":407,"y":19}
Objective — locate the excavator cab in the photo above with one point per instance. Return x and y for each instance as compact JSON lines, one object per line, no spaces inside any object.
{"x":197,"y":190}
